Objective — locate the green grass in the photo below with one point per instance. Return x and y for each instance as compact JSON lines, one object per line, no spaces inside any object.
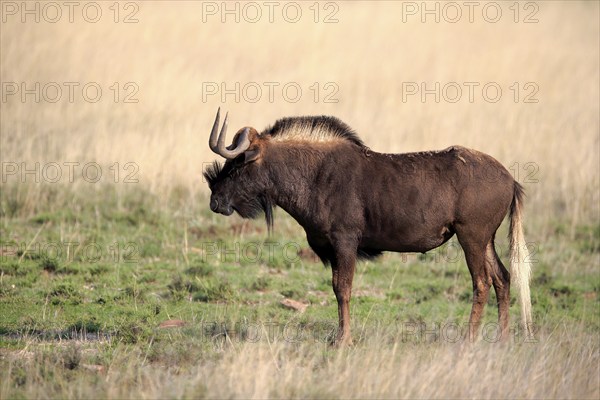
{"x":131,"y":265}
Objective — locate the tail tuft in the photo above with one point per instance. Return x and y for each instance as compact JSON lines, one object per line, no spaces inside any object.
{"x":520,"y":263}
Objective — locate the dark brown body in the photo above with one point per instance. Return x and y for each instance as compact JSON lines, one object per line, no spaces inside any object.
{"x":403,"y":203}
{"x":353,"y":202}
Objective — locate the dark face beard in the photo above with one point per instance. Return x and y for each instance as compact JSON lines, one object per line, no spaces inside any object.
{"x":267,"y":206}
{"x":253,"y":208}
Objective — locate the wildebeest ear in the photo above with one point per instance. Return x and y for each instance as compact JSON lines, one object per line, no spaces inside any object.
{"x":252,"y":135}
{"x":251,"y":154}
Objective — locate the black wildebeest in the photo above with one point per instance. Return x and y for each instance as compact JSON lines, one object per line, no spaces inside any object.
{"x":355,"y":203}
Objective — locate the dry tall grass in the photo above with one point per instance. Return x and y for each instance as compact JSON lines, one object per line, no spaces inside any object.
{"x":375,"y":369}
{"x":368,"y":54}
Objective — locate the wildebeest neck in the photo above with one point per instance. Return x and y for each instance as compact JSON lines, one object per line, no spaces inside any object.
{"x":294,"y":170}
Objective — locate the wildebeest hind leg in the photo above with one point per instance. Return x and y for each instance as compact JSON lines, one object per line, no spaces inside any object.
{"x":475,"y":253}
{"x":501,"y":281}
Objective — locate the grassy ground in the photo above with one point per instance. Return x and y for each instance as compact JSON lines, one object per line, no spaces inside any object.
{"x":81,"y":309}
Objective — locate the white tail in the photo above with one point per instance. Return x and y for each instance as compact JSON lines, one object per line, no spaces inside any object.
{"x":520,"y":263}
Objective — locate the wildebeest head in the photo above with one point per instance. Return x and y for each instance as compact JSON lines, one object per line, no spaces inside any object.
{"x":241,"y":184}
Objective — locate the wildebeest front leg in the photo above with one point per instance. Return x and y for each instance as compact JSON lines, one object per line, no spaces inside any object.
{"x":343,"y":274}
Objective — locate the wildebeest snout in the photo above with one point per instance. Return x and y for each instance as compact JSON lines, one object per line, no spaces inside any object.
{"x":220,"y":206}
{"x":214,"y":204}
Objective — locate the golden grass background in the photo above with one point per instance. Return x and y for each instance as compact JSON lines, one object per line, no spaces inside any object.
{"x":170,"y":52}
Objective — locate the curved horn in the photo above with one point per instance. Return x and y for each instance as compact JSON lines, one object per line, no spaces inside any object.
{"x":212,"y":141}
{"x":218,"y":145}
{"x":242,"y":143}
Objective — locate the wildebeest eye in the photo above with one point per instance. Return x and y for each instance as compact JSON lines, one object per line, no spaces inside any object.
{"x":238,"y":162}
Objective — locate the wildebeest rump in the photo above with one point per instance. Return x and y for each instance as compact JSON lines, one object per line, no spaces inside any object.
{"x":355,"y":203}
